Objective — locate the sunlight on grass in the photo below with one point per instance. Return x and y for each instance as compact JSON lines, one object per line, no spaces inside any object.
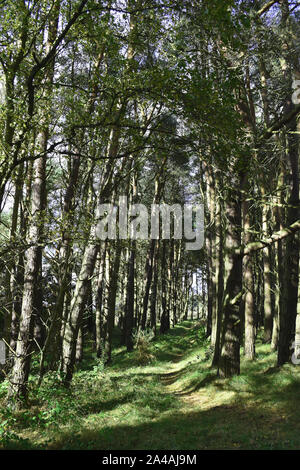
{"x":174,"y":402}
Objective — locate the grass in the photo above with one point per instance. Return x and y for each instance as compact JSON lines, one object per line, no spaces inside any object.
{"x":175,"y":402}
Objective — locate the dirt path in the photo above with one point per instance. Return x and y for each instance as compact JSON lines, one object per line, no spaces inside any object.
{"x":198,"y":394}
{"x":168,"y":379}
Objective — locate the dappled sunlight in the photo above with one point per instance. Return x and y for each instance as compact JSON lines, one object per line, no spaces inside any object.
{"x":185,"y":406}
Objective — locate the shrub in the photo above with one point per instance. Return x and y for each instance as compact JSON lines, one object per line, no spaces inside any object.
{"x":143,"y":346}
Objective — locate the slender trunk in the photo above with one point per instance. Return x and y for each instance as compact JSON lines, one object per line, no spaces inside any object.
{"x":165,"y":318}
{"x":154,"y":290}
{"x":129,"y":317}
{"x":11,"y":320}
{"x":88,"y":264}
{"x":268,"y":314}
{"x":220,"y":290}
{"x":99,"y":301}
{"x":24,"y":345}
{"x":111,"y":301}
{"x":76,"y":312}
{"x":248,"y":285}
{"x":288,"y":303}
{"x":230,"y":351}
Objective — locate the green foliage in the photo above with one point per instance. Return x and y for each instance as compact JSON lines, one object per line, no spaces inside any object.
{"x":184,"y":93}
{"x":176,"y":402}
{"x":142,"y":340}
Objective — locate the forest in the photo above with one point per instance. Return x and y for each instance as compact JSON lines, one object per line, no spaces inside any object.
{"x":119,"y":340}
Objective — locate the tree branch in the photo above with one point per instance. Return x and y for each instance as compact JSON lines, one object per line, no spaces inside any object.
{"x":39,"y":66}
{"x":275,"y":237}
{"x":266,"y":7}
{"x":282,"y":122}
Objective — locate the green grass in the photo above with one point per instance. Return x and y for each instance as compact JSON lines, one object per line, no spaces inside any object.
{"x":175,"y":402}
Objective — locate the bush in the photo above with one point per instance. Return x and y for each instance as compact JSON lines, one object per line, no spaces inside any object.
{"x":143,"y":347}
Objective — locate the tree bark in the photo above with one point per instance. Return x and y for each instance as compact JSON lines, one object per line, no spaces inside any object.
{"x":230,"y":351}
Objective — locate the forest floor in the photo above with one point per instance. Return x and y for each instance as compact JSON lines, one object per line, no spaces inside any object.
{"x":174,"y":402}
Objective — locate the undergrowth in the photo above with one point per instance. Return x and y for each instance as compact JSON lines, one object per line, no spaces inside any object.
{"x":163,"y":395}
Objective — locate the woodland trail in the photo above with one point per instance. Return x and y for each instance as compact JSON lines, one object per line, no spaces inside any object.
{"x":187,"y":395}
{"x":174,"y":402}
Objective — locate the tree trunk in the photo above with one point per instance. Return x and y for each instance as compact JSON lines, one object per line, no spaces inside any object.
{"x":248,"y":285}
{"x":165,"y":315}
{"x":21,"y":367}
{"x":230,"y":351}
{"x":111,"y":301}
{"x":268,"y":314}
